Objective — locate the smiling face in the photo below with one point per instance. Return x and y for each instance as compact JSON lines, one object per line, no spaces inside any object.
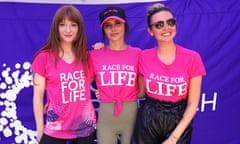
{"x":162,"y":26}
{"x":68,"y":30}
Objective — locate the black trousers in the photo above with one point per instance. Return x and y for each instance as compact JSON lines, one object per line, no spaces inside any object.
{"x":156,"y":120}
{"x":81,"y":140}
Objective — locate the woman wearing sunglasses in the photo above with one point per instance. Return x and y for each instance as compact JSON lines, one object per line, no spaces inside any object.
{"x":116,"y":70}
{"x":172,"y":77}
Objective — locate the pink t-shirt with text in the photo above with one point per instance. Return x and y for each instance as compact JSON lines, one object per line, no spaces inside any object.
{"x":70,"y":113}
{"x":170,"y":82}
{"x":116,"y":74}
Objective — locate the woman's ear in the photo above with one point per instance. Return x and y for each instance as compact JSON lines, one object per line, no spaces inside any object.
{"x":150,"y":31}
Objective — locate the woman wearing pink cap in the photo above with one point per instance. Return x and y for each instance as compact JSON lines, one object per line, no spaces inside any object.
{"x":116,"y":70}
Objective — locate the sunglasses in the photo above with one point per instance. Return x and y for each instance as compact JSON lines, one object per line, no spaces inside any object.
{"x":160,"y":24}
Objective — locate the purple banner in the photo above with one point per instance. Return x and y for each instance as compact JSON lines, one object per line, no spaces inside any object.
{"x":210,"y":27}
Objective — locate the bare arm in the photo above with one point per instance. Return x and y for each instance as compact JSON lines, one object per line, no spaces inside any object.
{"x":141,"y":90}
{"x":38,"y":94}
{"x":192,"y":105}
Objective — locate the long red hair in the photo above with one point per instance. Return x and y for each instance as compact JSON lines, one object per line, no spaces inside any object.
{"x":53,"y":42}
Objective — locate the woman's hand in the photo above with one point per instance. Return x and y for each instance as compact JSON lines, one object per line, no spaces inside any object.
{"x":97,"y":94}
{"x":45,"y":108}
{"x":98,"y":45}
{"x":39,"y":135}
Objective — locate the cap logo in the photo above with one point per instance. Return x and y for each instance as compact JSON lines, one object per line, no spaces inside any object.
{"x":109,"y":11}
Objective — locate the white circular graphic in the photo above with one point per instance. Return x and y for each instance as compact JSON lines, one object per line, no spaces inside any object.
{"x":12,"y":81}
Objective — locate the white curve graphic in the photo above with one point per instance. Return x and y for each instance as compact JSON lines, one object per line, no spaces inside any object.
{"x":12,"y":81}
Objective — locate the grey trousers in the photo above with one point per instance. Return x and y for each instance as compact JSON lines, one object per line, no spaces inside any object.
{"x":110,"y":128}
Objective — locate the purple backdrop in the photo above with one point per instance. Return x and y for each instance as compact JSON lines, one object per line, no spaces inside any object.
{"x":211,"y":27}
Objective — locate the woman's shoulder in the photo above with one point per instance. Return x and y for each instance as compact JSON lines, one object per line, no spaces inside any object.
{"x":187,"y":52}
{"x":148,"y":51}
{"x":130,"y":47}
{"x":44,"y":54}
{"x":133,"y":50}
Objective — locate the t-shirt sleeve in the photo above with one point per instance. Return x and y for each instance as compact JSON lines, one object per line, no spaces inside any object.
{"x":197,"y":67}
{"x":39,"y":64}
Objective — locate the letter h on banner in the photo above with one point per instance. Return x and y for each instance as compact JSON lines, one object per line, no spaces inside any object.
{"x":213,"y":102}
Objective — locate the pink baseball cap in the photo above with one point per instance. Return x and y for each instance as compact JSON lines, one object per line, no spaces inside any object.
{"x":112,"y":12}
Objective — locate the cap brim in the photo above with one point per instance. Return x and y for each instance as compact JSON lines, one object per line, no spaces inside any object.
{"x":113,"y":17}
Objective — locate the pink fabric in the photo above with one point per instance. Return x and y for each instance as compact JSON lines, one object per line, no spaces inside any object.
{"x":70,"y":112}
{"x":116,"y":74}
{"x":170,"y":82}
{"x":113,"y":17}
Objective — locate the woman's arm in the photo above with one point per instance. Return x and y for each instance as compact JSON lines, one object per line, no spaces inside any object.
{"x":192,"y":105}
{"x":141,"y":91}
{"x":38,"y":94}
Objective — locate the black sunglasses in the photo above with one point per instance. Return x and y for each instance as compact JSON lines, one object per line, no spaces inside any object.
{"x":160,"y":24}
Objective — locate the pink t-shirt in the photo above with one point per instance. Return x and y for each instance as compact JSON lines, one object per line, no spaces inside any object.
{"x":70,"y":113}
{"x":116,"y":74}
{"x":170,"y":82}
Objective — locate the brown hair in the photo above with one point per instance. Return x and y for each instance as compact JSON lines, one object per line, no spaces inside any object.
{"x":53,"y":41}
{"x":154,"y":9}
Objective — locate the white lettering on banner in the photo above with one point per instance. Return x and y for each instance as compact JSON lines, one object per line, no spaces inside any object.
{"x":166,"y":89}
{"x":205,"y":102}
{"x":74,"y":83}
{"x":118,"y":78}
